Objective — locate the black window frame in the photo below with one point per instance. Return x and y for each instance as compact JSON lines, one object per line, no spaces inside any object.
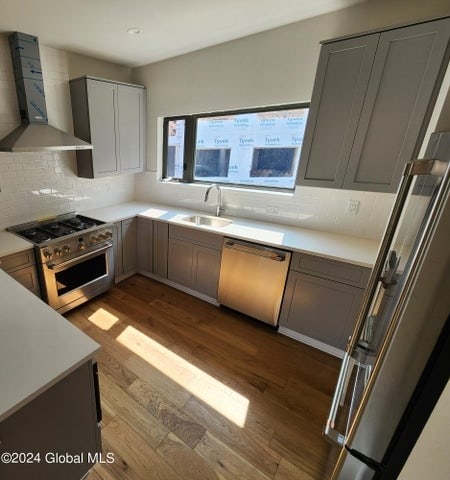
{"x":188,"y":148}
{"x":190,"y":135}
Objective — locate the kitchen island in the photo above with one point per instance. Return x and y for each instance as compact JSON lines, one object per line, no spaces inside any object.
{"x":47,"y":383}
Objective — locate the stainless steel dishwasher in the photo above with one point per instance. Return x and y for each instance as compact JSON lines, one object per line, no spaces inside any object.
{"x":252,"y":279}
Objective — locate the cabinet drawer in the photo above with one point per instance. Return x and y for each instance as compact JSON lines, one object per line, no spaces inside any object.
{"x":13,"y":262}
{"x":331,"y":269}
{"x":212,"y":240}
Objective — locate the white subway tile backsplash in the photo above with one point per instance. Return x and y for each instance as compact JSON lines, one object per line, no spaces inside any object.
{"x":315,"y":208}
{"x":34,"y":185}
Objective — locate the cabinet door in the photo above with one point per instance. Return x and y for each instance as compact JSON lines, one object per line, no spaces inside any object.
{"x":28,"y":278}
{"x":320,"y":309}
{"x":179,"y":268}
{"x":205,"y":271}
{"x":129,"y":256}
{"x":130,"y":131}
{"x":338,"y":96}
{"x":62,"y":420}
{"x":117,"y":241}
{"x":102,"y":101}
{"x":403,"y":85}
{"x":145,"y":245}
{"x":160,"y":248}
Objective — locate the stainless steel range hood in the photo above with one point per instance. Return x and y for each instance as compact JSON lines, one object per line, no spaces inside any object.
{"x":35,"y":134}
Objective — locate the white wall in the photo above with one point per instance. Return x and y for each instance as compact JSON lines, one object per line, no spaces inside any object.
{"x":81,"y":65}
{"x":35,"y":185}
{"x":429,"y":457}
{"x":273,"y":67}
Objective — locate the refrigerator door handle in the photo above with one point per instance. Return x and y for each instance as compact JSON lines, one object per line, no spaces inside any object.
{"x":338,"y":400}
{"x":387,"y":279}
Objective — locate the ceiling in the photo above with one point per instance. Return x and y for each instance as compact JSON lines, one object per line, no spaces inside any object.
{"x":98,"y":28}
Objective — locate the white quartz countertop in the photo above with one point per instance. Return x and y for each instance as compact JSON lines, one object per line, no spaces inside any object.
{"x":355,"y":250}
{"x":10,"y":243}
{"x":38,"y":347}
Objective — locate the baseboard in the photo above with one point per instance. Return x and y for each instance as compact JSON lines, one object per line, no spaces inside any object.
{"x":311,"y":342}
{"x":124,"y":276}
{"x":184,"y":289}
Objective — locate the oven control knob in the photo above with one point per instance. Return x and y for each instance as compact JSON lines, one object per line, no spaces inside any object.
{"x":101,"y":236}
{"x":47,"y":254}
{"x":81,"y":246}
{"x":66,"y":249}
{"x":108,"y":234}
{"x":57,"y":252}
{"x":94,"y":240}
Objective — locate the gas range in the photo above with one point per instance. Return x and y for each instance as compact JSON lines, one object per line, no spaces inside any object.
{"x":63,"y":235}
{"x":75,"y":257}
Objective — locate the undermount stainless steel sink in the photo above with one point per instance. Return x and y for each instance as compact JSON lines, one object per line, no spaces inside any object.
{"x":208,"y":221}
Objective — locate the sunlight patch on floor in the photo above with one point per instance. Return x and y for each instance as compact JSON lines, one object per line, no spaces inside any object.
{"x":101,"y":318}
{"x":217,"y":395}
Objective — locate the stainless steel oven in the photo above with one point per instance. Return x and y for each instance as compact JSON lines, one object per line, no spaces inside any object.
{"x":68,"y":283}
{"x":75,"y":258}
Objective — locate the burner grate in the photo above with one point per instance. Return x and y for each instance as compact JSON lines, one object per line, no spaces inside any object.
{"x":59,"y":227}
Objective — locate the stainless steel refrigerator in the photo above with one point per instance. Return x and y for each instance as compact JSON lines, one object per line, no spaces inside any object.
{"x":402,"y":315}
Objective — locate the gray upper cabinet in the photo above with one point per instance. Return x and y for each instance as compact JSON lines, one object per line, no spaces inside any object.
{"x":111,"y":116}
{"x":338,"y":96}
{"x":371,"y":103}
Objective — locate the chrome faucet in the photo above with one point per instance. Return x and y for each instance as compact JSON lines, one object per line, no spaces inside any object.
{"x":219,"y":208}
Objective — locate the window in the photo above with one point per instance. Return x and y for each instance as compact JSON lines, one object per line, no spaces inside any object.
{"x":174,"y":147}
{"x":259,"y":147}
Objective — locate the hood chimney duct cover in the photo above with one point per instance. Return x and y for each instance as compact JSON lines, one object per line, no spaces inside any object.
{"x":35,"y":134}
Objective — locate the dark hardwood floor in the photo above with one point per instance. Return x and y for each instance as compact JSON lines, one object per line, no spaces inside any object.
{"x":191,"y":391}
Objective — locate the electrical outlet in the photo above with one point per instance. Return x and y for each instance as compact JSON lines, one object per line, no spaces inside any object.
{"x":273,"y":210}
{"x":353,"y":206}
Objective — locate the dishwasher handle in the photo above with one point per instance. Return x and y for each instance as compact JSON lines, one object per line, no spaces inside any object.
{"x":260,"y":251}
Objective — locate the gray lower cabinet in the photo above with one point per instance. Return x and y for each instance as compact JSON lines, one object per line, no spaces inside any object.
{"x":125,"y":246}
{"x":194,"y":259}
{"x":111,"y":116}
{"x":322,"y":299}
{"x":61,"y":421}
{"x":160,"y":248}
{"x":22,"y":267}
{"x":372,"y":100}
{"x":152,"y":247}
{"x":181,"y":259}
{"x":145,"y":245}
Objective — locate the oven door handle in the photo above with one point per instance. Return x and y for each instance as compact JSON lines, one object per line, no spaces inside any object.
{"x":54,"y":266}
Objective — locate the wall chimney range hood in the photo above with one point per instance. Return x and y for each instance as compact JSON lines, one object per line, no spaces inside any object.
{"x":35,"y":134}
